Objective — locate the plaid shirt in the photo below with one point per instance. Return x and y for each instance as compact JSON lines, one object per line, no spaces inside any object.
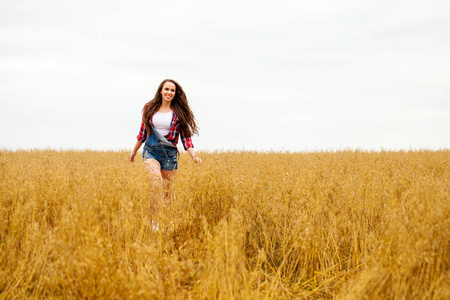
{"x":172,"y":136}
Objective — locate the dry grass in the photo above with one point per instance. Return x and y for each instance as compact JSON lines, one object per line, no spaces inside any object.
{"x":343,"y":225}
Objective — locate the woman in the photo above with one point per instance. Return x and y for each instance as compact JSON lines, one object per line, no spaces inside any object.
{"x":164,"y":119}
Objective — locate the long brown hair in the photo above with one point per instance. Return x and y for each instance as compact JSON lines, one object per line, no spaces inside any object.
{"x":179,"y":105}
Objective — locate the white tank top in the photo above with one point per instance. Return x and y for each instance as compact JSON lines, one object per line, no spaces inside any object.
{"x":161,"y":122}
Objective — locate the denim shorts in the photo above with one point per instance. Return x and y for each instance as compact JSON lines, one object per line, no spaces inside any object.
{"x":166,"y":156}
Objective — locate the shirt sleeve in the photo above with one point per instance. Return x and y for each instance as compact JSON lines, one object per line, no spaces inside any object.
{"x":142,"y":136}
{"x":187,"y":142}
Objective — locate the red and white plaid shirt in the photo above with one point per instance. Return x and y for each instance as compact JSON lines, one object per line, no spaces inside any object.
{"x":172,"y":136}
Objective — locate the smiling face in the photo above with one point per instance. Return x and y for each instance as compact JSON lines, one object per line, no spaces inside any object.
{"x":168,"y":91}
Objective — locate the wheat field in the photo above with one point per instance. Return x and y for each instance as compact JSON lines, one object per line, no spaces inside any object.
{"x":243,"y":225}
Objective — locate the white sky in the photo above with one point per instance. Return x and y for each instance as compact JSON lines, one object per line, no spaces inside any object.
{"x":289,"y":75}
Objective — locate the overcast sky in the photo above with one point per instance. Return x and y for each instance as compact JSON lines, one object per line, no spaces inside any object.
{"x":286,"y":75}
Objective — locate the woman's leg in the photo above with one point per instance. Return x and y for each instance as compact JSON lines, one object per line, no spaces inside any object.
{"x":168,"y":177}
{"x":154,"y":169}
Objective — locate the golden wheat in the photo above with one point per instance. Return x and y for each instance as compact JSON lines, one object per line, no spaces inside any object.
{"x":244,"y":225}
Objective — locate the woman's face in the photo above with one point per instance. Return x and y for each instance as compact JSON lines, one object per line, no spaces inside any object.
{"x":168,"y":91}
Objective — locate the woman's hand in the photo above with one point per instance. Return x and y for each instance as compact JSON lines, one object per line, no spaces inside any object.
{"x":197,"y":160}
{"x":135,"y":150}
{"x":131,"y":156}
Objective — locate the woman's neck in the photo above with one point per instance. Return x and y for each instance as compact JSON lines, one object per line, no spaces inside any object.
{"x":165,"y":107}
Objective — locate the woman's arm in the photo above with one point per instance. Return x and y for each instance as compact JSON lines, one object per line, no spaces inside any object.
{"x":196,"y":159}
{"x":141,"y":138}
{"x":135,"y":150}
